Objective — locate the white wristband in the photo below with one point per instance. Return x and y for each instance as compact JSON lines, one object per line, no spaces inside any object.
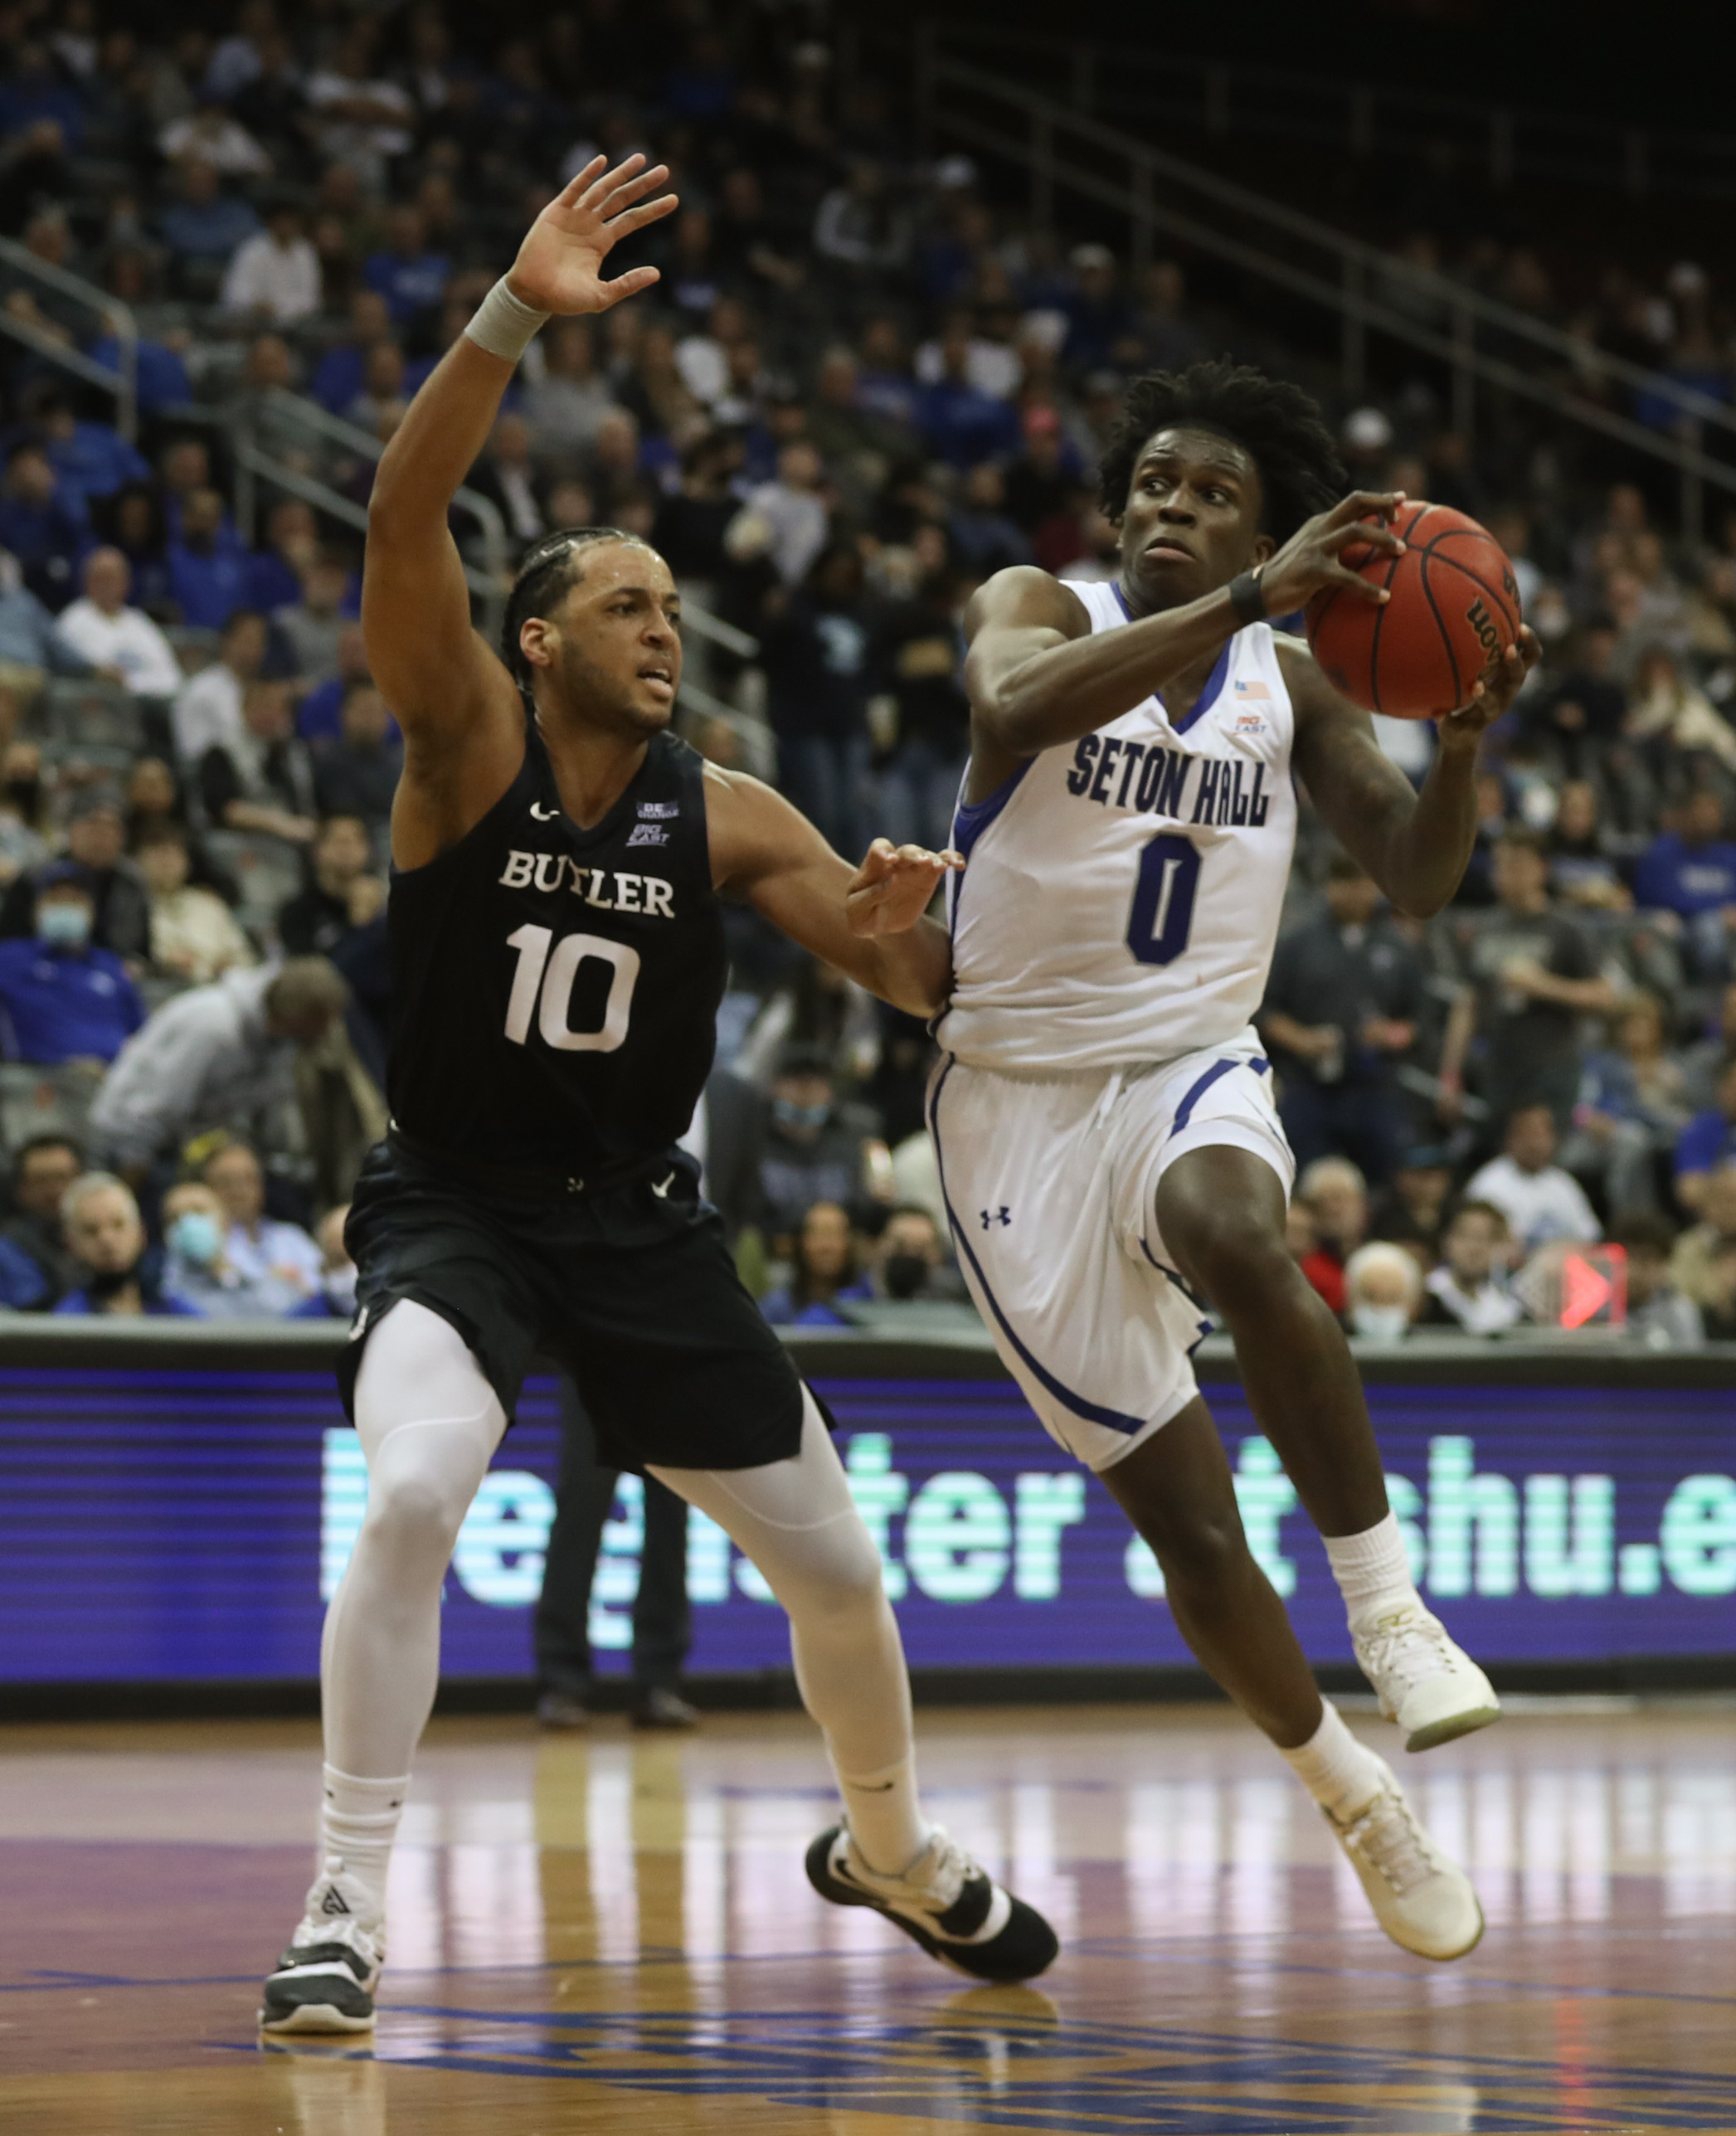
{"x":504,"y":324}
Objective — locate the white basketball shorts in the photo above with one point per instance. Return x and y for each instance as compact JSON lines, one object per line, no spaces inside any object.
{"x":1051,"y":1188}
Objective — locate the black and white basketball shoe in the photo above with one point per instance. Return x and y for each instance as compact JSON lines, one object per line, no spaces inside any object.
{"x":325,"y":1980}
{"x":945,"y":1901}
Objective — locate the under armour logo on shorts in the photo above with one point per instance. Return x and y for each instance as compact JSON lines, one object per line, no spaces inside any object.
{"x":1001,"y":1215}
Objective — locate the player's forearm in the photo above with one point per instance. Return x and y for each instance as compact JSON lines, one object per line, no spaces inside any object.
{"x":1033,"y":701}
{"x":913,"y":970}
{"x":445,"y":427}
{"x":1426,"y":856}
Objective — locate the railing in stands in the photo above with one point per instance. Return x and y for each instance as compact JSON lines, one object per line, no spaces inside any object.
{"x":1507,"y":145}
{"x":123,"y":382}
{"x":1366,"y":289}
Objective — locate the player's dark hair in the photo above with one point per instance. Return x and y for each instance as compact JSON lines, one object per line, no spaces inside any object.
{"x":1274,"y":422}
{"x":546,"y":570}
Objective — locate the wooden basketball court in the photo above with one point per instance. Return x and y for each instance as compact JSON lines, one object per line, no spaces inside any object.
{"x":614,"y":1933}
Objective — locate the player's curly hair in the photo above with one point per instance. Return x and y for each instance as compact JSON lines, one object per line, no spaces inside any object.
{"x":546,"y":570}
{"x":1276,"y":423}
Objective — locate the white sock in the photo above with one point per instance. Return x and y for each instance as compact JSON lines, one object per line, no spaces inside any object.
{"x":885,"y":1815}
{"x":1373,"y":1571}
{"x":359,"y":1821}
{"x":1341,"y":1775}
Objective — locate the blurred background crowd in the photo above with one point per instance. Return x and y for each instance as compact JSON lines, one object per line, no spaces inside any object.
{"x":867,"y":379}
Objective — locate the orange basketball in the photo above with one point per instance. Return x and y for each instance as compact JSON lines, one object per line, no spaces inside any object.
{"x":1453,"y":613}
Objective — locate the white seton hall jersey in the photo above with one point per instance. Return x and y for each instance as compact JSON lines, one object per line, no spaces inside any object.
{"x":1121,"y":895}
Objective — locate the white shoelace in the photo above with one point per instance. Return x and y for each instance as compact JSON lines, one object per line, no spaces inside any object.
{"x":1409,"y":1644}
{"x":1387,"y":1836}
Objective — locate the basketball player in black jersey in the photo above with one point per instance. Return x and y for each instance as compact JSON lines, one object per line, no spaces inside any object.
{"x":557,"y":960}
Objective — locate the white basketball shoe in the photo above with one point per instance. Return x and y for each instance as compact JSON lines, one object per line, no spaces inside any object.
{"x":1428,"y":1685}
{"x":1424,"y":1903}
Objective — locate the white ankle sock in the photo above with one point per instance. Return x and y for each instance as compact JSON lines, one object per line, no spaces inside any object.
{"x":885,"y":1815}
{"x":1341,"y":1775}
{"x":1373,"y":1571}
{"x":359,"y":1821}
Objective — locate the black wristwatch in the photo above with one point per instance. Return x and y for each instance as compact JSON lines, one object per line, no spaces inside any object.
{"x":1246,"y":599}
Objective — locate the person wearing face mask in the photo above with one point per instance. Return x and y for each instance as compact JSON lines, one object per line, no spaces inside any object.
{"x":336,"y":1297}
{"x":199,"y":1266}
{"x":106,"y":1236}
{"x":909,"y":1262}
{"x":62,"y":998}
{"x":815,"y":1149}
{"x":1382,"y":1285}
{"x":96,"y":839}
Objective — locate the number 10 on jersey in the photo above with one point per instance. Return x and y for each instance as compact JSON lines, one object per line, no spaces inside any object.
{"x":551,"y":977}
{"x":1162,"y":913}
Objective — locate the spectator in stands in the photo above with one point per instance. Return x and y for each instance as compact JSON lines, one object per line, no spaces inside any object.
{"x":860,"y":227}
{"x":816,"y":1148}
{"x":960,"y":423}
{"x":825,"y":1274}
{"x":1540,"y":1201}
{"x":204,"y":225}
{"x":1340,"y":1010}
{"x":42,"y":529}
{"x":1412,"y":1208}
{"x":31,"y":644}
{"x":1336,"y":1195}
{"x":275,"y":573}
{"x":507,"y":475}
{"x":194,"y":935}
{"x":63,"y":999}
{"x":1382,"y":1291}
{"x":410,"y":277}
{"x":274,"y":274}
{"x":96,"y":844}
{"x":278,"y":1261}
{"x":910,"y":1260}
{"x":1582,"y":869}
{"x":208,"y":563}
{"x":917,"y":668}
{"x":90,"y":460}
{"x":1692,"y":873}
{"x":358,"y":774}
{"x":792,"y":512}
{"x":343,"y":370}
{"x":216,"y":1057}
{"x":325,"y":605}
{"x":1468,"y":1290}
{"x":1658,"y":1315}
{"x":1707,"y":1143}
{"x":114,"y":638}
{"x":361,"y":120}
{"x":134,"y":520}
{"x":567,"y":406}
{"x":43,"y":1167}
{"x":814,"y":645}
{"x":1530,"y":974}
{"x":207,"y":713}
{"x":1632,"y":1106}
{"x":208,"y":134}
{"x":1692,"y":1262}
{"x":1703,"y":1064}
{"x":336,"y":1297}
{"x":261,"y":781}
{"x":117,"y":1272}
{"x":197,"y":1265}
{"x":317,"y":919}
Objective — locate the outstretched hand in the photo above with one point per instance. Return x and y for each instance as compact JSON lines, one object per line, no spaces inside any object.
{"x":890,"y":890}
{"x":1493,"y":693}
{"x":559,"y":267}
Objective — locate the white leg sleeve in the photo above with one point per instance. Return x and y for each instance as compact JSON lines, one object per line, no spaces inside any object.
{"x":429,"y":1424}
{"x":798,"y":1522}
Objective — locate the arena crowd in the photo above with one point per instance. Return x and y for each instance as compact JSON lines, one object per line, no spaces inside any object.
{"x":861,"y":386}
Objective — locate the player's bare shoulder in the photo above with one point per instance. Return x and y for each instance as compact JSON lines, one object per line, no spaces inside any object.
{"x":1025,"y":598}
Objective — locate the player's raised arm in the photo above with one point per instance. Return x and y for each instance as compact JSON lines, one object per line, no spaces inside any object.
{"x":439,"y":678}
{"x":1416,"y":846}
{"x":1037,"y":675}
{"x":870,"y":921}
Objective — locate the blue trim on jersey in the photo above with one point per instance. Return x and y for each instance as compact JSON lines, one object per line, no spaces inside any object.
{"x":1093,"y":1412}
{"x":971,"y":818}
{"x":1214,"y":681}
{"x":1185,"y":1111}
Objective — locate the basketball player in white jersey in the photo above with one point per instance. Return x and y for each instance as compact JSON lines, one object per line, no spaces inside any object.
{"x":1103,"y":1115}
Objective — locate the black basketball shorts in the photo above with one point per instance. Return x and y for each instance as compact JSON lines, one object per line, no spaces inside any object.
{"x":630,"y":1288}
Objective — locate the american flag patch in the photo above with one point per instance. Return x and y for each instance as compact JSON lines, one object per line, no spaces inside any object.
{"x":1253,"y":689}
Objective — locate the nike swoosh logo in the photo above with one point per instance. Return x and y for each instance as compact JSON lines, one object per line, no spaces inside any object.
{"x":663,"y":1192}
{"x":541,"y":814}
{"x":871,"y":1788}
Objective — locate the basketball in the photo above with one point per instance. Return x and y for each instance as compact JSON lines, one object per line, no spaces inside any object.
{"x":1453,"y":613}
